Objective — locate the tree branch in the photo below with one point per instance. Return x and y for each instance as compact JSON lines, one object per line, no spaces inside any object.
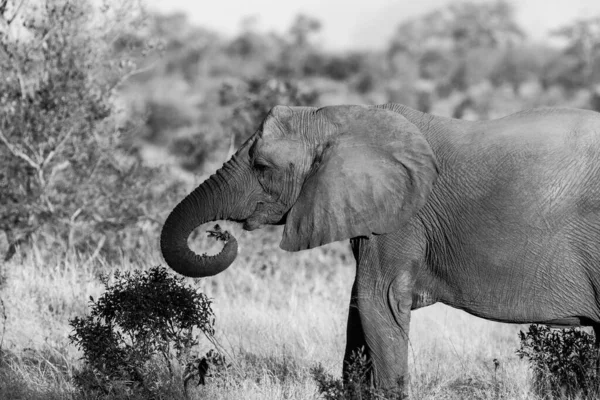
{"x":130,"y":74}
{"x":3,"y":4}
{"x":18,"y":153}
{"x":10,"y":20}
{"x":58,"y":146}
{"x":96,"y":252}
{"x":40,"y":172}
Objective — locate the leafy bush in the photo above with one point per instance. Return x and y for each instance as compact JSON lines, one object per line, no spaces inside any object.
{"x":563,"y":361}
{"x":137,"y":330}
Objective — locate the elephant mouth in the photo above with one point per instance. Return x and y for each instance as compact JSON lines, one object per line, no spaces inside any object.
{"x":262,"y":217}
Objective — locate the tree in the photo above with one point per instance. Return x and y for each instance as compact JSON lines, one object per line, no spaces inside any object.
{"x":460,"y":26}
{"x":66,"y":163}
{"x":452,"y":32}
{"x":583,"y":48}
{"x":251,"y":102}
{"x":303,"y":28}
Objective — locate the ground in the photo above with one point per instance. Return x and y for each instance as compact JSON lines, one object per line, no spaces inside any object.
{"x":277,"y":315}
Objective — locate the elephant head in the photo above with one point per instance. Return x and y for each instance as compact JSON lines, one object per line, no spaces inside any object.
{"x":328,"y":174}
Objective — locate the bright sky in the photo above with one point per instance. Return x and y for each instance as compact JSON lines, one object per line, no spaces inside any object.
{"x":353,"y":24}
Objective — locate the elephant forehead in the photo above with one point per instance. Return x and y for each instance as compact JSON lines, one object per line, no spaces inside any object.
{"x":297,"y":123}
{"x":281,"y":151}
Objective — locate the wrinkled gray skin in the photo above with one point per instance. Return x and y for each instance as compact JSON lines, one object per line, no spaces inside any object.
{"x":498,"y":218}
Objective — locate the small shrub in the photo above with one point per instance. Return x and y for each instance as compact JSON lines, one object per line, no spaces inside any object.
{"x":330,"y":388}
{"x":563,"y":361}
{"x":213,"y":364}
{"x":357,"y":384}
{"x":137,"y":329}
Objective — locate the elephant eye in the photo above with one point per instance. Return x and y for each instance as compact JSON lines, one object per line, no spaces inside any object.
{"x":261,"y":165}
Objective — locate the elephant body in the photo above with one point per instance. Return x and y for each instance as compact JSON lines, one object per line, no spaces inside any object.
{"x":518,"y":199}
{"x":498,"y":218}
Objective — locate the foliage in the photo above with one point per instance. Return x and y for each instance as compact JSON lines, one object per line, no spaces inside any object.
{"x":193,"y":150}
{"x":455,"y":61}
{"x":463,"y":24}
{"x":91,"y":94}
{"x":73,"y":172}
{"x":143,"y":321}
{"x":252,"y":103}
{"x":582,"y":52}
{"x":302,"y":28}
{"x":563,"y":361}
{"x":67,"y":165}
{"x":357,"y":384}
{"x":456,"y":47}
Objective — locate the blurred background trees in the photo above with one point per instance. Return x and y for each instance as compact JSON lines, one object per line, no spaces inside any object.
{"x":108,"y":112}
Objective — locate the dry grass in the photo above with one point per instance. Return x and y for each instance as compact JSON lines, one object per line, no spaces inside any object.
{"x":278,"y":314}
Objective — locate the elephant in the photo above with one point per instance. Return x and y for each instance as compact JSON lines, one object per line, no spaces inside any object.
{"x":499,"y":218}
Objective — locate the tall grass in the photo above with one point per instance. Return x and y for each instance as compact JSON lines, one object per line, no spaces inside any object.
{"x":278,"y":314}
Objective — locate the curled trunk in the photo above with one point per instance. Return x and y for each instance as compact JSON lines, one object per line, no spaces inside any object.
{"x":210,"y":201}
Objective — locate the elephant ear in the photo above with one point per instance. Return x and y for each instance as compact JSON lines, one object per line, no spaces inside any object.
{"x":374,"y":174}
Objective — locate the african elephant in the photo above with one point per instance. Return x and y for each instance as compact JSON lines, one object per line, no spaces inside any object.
{"x":499,"y":218}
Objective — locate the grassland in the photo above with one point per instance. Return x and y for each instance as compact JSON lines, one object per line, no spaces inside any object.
{"x":277,"y":313}
{"x":184,"y":93}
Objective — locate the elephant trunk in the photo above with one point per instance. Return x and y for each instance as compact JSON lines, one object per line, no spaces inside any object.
{"x":209,"y":202}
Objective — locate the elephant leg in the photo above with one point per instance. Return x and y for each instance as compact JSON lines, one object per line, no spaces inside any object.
{"x":355,"y":377}
{"x":597,"y":348}
{"x":355,"y":337}
{"x":385,"y":322}
{"x":383,"y":297}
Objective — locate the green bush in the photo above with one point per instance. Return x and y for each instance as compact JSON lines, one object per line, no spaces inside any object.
{"x":563,"y":361}
{"x":138,"y":330}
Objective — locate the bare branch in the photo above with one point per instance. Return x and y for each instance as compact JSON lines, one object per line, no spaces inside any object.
{"x":58,"y":146}
{"x":18,"y":153}
{"x":48,"y":203}
{"x":130,"y":74}
{"x":3,"y":4}
{"x":3,"y":316}
{"x":21,"y":82}
{"x":10,"y":20}
{"x":40,"y":172}
{"x":57,"y":168}
{"x":72,"y":226}
{"x":75,"y":215}
{"x":96,"y":252}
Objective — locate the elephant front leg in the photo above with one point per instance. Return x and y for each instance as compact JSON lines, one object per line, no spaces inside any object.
{"x":386,"y":321}
{"x":386,"y":267}
{"x":379,"y":324}
{"x":355,"y":345}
